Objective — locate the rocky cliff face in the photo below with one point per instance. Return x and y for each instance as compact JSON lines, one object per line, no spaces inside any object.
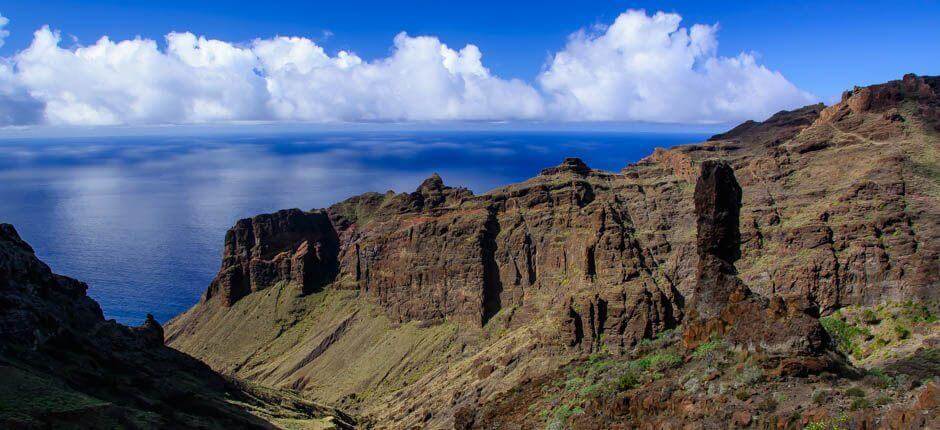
{"x":722,"y":305}
{"x":289,"y":245}
{"x":826,"y":207}
{"x":64,"y":366}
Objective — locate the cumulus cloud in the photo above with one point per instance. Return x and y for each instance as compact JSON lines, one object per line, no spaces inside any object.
{"x":133,"y":81}
{"x":640,"y":68}
{"x":423,"y":79}
{"x":648,"y":68}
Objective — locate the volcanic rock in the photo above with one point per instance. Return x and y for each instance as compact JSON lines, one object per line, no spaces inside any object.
{"x":286,"y":246}
{"x":721,"y":305}
{"x":826,"y":207}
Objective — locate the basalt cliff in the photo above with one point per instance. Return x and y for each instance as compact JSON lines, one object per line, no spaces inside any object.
{"x":780,"y":275}
{"x":783,"y":274}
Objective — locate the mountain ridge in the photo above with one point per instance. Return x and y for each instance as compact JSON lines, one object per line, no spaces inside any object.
{"x":782,"y":274}
{"x":448,"y":299}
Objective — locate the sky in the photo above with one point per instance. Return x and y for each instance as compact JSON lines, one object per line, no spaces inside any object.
{"x":687,"y":62}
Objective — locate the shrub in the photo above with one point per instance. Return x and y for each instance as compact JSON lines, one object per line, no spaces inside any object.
{"x":750,"y":375}
{"x":703,"y":349}
{"x":869,"y":317}
{"x":880,"y":379}
{"x":561,"y":414}
{"x":855,"y":392}
{"x":665,"y":360}
{"x":842,"y":333}
{"x":902,"y":332}
{"x":820,"y":396}
{"x":769,"y":404}
{"x":627,"y":380}
{"x":860,"y":403}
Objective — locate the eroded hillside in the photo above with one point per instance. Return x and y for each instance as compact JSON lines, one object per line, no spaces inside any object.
{"x":440,"y":308}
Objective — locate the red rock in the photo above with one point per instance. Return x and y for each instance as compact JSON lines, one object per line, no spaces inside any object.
{"x":741,"y":418}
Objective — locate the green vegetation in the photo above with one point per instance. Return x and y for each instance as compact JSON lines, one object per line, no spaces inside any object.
{"x":866,"y":332}
{"x":603,"y":375}
{"x":23,"y":395}
{"x":836,"y":424}
{"x":702,"y":350}
{"x":860,"y":403}
{"x":855,"y":392}
{"x":821,"y":396}
{"x":843,"y":334}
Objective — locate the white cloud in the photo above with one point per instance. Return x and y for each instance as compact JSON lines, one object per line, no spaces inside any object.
{"x":640,"y":68}
{"x":133,"y":81}
{"x":423,"y":79}
{"x":648,"y":68}
{"x":3,"y":32}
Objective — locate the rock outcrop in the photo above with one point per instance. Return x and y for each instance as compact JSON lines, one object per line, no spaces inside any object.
{"x":286,"y":246}
{"x":721,"y":305}
{"x":826,"y":207}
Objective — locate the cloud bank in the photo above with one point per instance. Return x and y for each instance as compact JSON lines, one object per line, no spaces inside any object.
{"x":640,"y":68}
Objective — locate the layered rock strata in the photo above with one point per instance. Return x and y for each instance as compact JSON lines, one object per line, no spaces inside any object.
{"x":838,"y":206}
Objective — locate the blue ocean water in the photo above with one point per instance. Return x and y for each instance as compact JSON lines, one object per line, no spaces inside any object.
{"x":142,"y":219}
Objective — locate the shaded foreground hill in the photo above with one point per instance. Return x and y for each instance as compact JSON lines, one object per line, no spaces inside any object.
{"x":582,"y":297}
{"x":63,"y":366}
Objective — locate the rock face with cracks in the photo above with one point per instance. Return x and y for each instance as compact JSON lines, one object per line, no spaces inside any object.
{"x":721,"y":305}
{"x":289,"y":245}
{"x":438,"y":301}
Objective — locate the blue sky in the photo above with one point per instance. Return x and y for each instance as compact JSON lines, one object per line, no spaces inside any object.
{"x":821,"y":48}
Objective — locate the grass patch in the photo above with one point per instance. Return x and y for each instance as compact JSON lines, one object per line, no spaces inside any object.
{"x":702,"y":350}
{"x":843,"y":334}
{"x":834,"y":424}
{"x":855,"y":392}
{"x":24,"y":394}
{"x":603,"y":375}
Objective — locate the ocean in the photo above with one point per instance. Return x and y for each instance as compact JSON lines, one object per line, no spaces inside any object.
{"x":141,"y":220}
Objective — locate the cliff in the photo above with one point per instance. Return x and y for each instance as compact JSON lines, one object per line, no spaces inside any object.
{"x":441,"y":308}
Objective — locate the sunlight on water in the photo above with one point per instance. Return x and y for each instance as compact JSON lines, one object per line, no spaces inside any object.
{"x":142,"y":220}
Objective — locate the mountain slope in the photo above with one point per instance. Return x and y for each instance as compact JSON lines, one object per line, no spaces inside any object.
{"x":64,"y":366}
{"x":440,"y":304}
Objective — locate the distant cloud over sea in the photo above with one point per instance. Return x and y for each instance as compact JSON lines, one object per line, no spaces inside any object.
{"x":640,"y":68}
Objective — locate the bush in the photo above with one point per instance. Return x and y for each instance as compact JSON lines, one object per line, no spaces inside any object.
{"x":902,"y":332}
{"x":883,"y":400}
{"x":855,"y":392}
{"x":842,"y":333}
{"x":750,"y":374}
{"x":860,"y":403}
{"x":705,"y":348}
{"x":835,"y":424}
{"x":769,"y":404}
{"x":820,"y":396}
{"x":663,"y":361}
{"x":627,"y":380}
